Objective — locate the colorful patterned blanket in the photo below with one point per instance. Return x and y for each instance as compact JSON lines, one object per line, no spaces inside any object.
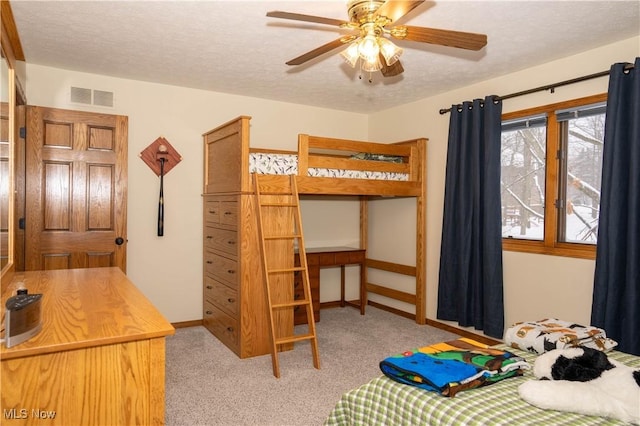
{"x":453,"y":366}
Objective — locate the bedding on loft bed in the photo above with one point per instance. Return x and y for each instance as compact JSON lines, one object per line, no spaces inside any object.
{"x":383,"y":401}
{"x":287,"y":164}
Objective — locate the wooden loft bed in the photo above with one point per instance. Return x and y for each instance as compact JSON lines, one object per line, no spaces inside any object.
{"x":227,"y":168}
{"x":227,"y":173}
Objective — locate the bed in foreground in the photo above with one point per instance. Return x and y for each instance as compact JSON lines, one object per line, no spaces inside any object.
{"x":383,"y":401}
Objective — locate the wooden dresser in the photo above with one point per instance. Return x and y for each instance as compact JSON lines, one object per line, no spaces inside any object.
{"x":99,"y":359}
{"x":234,"y":299}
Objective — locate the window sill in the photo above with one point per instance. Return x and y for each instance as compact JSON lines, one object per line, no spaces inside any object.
{"x":581,"y":251}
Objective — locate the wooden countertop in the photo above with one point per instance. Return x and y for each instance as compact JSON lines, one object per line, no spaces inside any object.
{"x":84,"y":308}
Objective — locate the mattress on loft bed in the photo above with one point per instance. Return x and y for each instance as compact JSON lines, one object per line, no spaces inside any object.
{"x":287,"y":164}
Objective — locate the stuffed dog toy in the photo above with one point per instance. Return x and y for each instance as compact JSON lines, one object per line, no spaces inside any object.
{"x":584,"y":380}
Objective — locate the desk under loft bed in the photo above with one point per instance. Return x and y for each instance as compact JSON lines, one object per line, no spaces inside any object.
{"x":234,"y":300}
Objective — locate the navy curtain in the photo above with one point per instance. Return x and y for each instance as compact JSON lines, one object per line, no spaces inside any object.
{"x":470,"y":281}
{"x":616,"y":291}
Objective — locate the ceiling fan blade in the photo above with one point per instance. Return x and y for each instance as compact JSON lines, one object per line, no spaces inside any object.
{"x":462,"y":40}
{"x":306,"y":18}
{"x":320,"y":50}
{"x":396,"y":9}
{"x":391,"y":70}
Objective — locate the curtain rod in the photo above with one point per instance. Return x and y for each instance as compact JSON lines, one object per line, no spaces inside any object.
{"x":551,"y":87}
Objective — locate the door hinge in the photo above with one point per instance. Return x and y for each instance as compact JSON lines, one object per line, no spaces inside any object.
{"x":23,"y":132}
{"x":21,"y":223}
{"x":558,"y":204}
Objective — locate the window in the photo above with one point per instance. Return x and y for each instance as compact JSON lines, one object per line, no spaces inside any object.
{"x":551,"y":169}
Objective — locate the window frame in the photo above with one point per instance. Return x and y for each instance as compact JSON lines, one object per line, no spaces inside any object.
{"x":550,"y":244}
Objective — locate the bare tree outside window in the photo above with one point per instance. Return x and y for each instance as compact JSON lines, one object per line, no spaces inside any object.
{"x":523,"y":182}
{"x":585,"y":138}
{"x":579,"y":166}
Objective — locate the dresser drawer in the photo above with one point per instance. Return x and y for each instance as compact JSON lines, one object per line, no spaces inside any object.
{"x":229,"y":213}
{"x":212,"y":211}
{"x":350,"y":257}
{"x":221,"y":268}
{"x":332,"y":258}
{"x":221,"y":325}
{"x":221,"y":295}
{"x":221,"y":239}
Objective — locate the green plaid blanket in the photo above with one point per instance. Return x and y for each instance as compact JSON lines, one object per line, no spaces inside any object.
{"x":385,"y":402}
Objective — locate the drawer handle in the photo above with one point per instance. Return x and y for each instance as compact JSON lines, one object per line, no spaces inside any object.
{"x":209,"y":313}
{"x":230,"y":329}
{"x":209,"y":262}
{"x":210,"y":287}
{"x":230,"y":271}
{"x":231,"y":242}
{"x":212,"y":211}
{"x":228,"y":213}
{"x":231,"y":300}
{"x":209,"y":237}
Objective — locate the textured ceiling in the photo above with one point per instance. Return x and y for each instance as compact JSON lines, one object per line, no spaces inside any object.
{"x":232,"y":47}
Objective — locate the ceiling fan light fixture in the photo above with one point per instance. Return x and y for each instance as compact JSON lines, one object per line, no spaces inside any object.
{"x":372,"y":64}
{"x":350,"y":54}
{"x":390,"y":51}
{"x":368,"y":48}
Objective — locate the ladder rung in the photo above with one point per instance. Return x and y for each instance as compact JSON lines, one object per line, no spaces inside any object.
{"x":298,"y":302}
{"x":292,"y":339}
{"x":278,"y":204}
{"x":275,"y":271}
{"x":282,"y":193}
{"x":282,"y":237}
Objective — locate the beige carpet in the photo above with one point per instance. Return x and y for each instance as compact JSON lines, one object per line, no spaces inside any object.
{"x":208,"y":385}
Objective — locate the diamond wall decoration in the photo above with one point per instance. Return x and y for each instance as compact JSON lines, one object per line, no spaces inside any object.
{"x":152,"y":154}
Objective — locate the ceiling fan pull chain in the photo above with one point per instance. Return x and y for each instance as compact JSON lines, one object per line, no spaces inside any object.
{"x":370,"y":76}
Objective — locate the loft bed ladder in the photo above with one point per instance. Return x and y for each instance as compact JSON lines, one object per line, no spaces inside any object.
{"x":280,"y":231}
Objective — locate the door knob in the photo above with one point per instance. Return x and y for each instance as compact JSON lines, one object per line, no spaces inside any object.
{"x":119,"y":241}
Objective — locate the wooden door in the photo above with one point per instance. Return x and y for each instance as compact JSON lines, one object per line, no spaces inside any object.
{"x":76,"y":198}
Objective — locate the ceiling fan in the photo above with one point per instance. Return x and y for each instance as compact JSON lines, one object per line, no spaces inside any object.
{"x":370,"y":44}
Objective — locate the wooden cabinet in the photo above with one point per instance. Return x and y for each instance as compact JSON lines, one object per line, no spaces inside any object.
{"x":234,"y":300}
{"x":99,"y":359}
{"x":226,"y":163}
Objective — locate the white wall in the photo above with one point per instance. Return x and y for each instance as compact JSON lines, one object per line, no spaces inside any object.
{"x":536,"y":286}
{"x":168,"y":269}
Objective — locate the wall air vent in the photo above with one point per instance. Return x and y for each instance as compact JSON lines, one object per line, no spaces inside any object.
{"x":102,"y":98}
{"x":79,"y":95}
